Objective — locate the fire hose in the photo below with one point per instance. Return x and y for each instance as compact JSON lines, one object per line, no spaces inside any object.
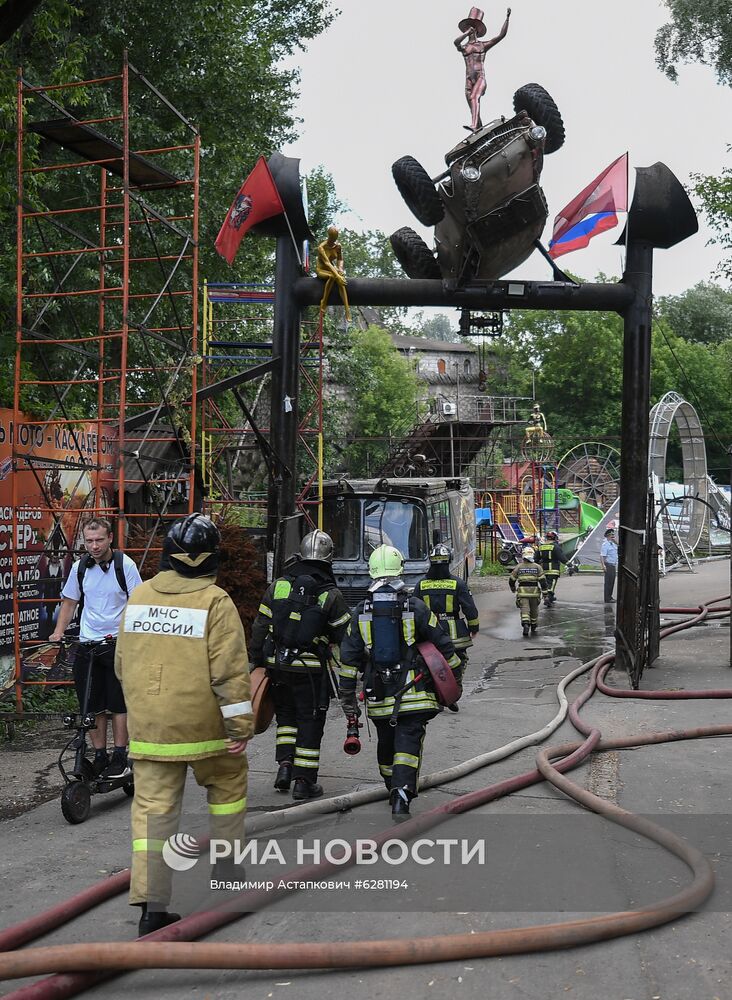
{"x":164,"y":948}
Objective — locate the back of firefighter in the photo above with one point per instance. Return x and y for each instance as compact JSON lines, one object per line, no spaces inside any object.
{"x":381,"y":645}
{"x":451,"y":601}
{"x":551,"y":558}
{"x":527,"y":581}
{"x":182,"y":660}
{"x":301,"y":615}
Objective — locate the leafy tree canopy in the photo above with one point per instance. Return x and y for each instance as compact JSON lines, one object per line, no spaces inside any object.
{"x":702,"y":314}
{"x":383,"y":391}
{"x":702,"y":32}
{"x":697,"y":32}
{"x":219,"y":63}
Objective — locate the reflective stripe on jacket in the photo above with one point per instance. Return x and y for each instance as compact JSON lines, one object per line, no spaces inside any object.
{"x":551,"y":558}
{"x":182,"y":660}
{"x":527,"y":579}
{"x":336,"y":617}
{"x":451,"y":600}
{"x":356,"y":659}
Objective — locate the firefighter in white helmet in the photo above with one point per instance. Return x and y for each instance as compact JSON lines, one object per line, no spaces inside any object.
{"x":527,"y":582}
{"x":301,"y":621}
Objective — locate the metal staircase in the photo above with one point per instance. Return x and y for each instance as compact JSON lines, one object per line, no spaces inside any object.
{"x":448,"y":439}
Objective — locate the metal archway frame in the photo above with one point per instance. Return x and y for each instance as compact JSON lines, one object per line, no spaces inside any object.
{"x":671,"y":409}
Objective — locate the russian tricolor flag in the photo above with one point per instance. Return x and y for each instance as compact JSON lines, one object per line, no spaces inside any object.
{"x":593,"y":210}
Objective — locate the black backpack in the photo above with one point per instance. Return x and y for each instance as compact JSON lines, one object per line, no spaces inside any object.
{"x":298,"y":615}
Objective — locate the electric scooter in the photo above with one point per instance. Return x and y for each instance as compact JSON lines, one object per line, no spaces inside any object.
{"x":81,"y":781}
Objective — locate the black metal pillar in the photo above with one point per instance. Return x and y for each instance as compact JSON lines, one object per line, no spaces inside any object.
{"x":284,"y":400}
{"x":638,"y":276}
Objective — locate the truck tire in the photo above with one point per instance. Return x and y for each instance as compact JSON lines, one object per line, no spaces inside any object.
{"x":413,"y":254}
{"x":537,"y":102}
{"x":416,"y":188}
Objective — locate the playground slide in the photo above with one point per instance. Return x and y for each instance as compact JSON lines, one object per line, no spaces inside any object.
{"x":590,"y":516}
{"x":587,"y":552}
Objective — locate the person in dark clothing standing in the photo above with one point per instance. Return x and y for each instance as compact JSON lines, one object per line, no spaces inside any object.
{"x":399,"y":696}
{"x":301,"y":616}
{"x":450,"y":599}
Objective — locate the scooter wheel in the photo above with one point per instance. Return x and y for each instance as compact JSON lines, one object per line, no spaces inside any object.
{"x":76,"y":802}
{"x":129,"y":788}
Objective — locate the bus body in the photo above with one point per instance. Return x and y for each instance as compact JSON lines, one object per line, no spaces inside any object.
{"x":413,"y":515}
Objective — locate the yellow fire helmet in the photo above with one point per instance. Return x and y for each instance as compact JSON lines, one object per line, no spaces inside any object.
{"x":385,"y":561}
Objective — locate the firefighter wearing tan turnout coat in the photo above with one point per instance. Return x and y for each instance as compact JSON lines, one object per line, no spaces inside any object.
{"x":182,"y":660}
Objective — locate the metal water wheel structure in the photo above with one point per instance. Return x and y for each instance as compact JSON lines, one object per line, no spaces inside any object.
{"x":592,"y":471}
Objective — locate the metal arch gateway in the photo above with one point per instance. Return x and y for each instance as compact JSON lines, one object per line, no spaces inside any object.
{"x":671,"y":409}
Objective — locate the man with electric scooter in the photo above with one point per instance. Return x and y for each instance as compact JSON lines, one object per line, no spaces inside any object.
{"x":99,"y":584}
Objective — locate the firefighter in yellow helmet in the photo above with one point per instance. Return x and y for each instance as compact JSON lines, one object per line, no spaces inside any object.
{"x":527,"y":581}
{"x":380,"y":645}
{"x":182,"y":660}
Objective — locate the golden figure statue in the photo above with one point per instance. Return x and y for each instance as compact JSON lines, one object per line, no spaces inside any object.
{"x":329,"y":267}
{"x":536,"y":432}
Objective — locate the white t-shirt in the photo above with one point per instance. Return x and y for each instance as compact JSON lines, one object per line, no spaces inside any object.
{"x":104,"y":601}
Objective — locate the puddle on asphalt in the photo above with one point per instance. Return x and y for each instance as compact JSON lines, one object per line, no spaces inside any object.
{"x":566,"y":631}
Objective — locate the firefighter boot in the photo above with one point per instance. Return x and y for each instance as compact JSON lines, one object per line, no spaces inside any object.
{"x":533,"y":629}
{"x":284,"y":776}
{"x":525,"y":629}
{"x":306,"y":789}
{"x":399,"y":799}
{"x":153,"y":920}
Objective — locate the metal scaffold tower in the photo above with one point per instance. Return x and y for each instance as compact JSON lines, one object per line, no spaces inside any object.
{"x":240,"y":461}
{"x":106,"y":345}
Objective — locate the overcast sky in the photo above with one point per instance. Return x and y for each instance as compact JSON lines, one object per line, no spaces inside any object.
{"x":385,"y":80}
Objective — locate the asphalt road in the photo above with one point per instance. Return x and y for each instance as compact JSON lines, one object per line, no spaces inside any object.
{"x":547,"y":860}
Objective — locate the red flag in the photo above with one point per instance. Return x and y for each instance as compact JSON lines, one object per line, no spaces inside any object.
{"x":257,"y":200}
{"x":593,"y":210}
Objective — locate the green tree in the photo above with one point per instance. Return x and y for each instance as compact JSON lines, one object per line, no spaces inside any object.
{"x":382,"y":397}
{"x":437,"y":327}
{"x":697,"y":32}
{"x":702,"y":313}
{"x":577,"y":360}
{"x":715,"y":195}
{"x":702,"y":32}
{"x":220,"y":63}
{"x":702,"y":374}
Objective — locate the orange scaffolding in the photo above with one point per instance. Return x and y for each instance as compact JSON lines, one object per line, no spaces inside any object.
{"x":106,"y":333}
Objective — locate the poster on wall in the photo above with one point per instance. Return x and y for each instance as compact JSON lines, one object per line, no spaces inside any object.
{"x":52,"y":500}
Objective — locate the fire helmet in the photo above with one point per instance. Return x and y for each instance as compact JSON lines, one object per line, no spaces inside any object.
{"x":528,"y":553}
{"x":441,"y":554}
{"x":191,"y":547}
{"x":385,"y":561}
{"x":317,"y":545}
{"x":552,"y":536}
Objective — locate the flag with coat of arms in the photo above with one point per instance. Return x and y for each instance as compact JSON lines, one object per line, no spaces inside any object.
{"x":258,"y":199}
